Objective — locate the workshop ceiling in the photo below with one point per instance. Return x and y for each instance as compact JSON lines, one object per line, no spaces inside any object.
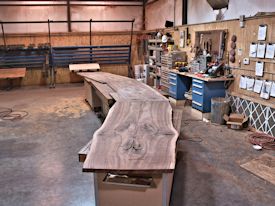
{"x":73,"y":3}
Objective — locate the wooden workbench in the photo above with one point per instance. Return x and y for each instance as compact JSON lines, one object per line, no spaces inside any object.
{"x":12,"y":73}
{"x":206,"y":79}
{"x":136,"y":138}
{"x":98,"y":96}
{"x":203,"y":88}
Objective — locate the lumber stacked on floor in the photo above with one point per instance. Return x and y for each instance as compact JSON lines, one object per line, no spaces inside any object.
{"x":138,"y":134}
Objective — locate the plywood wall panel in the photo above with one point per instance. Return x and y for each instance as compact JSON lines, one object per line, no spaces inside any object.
{"x":244,"y":37}
{"x":34,"y":77}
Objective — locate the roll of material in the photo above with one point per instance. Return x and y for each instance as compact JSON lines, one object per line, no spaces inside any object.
{"x":146,"y":71}
{"x":138,"y":71}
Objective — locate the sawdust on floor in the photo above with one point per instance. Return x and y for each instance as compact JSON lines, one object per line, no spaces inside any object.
{"x":70,"y":108}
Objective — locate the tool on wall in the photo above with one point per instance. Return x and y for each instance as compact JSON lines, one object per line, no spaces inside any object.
{"x":233,"y":46}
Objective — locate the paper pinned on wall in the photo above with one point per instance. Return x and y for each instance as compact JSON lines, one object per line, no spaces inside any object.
{"x":259,"y":70}
{"x":243,"y":82}
{"x":270,"y":51}
{"x":262,"y":32}
{"x":266,"y":88}
{"x":272,"y":92}
{"x":261,"y":50}
{"x":253,"y":50}
{"x":250,"y":83}
{"x":182,"y":38}
{"x":258,"y":86}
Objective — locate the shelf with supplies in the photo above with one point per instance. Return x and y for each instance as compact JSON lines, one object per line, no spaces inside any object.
{"x":158,"y":41}
{"x":154,"y":48}
{"x":154,"y":74}
{"x":152,"y":57}
{"x":152,"y":66}
{"x":154,"y":53}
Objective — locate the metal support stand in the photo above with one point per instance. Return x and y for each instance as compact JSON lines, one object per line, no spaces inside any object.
{"x":3,"y":34}
{"x":52,"y":70}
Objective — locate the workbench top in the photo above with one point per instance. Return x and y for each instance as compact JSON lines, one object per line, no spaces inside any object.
{"x":137,"y":134}
{"x":12,"y":73}
{"x":207,"y":79}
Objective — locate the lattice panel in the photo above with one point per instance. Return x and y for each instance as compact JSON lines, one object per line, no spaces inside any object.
{"x":260,"y":117}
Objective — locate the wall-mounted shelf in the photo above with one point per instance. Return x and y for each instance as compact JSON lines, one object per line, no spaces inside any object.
{"x":254,"y":59}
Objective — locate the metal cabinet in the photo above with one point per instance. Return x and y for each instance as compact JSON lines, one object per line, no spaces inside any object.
{"x":178,"y":85}
{"x":203,"y":92}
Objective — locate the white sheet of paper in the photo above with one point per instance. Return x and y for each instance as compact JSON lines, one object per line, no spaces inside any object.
{"x":253,"y":50}
{"x":261,"y":50}
{"x":181,"y":43}
{"x":266,"y":88}
{"x":258,"y":86}
{"x":262,"y":32}
{"x":250,"y":83}
{"x":272,"y":92}
{"x":243,"y":82}
{"x":270,"y":51}
{"x":259,"y":70}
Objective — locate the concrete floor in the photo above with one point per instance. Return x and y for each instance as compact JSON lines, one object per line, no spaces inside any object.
{"x":39,"y":163}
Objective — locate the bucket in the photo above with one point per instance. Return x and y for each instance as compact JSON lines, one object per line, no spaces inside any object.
{"x":219,"y":107}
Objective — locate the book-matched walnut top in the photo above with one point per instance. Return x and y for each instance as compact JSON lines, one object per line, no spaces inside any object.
{"x":137,"y":134}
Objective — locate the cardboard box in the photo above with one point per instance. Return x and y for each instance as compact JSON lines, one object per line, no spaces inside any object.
{"x":236,"y":121}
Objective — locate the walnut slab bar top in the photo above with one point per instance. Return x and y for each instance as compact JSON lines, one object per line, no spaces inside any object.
{"x":137,"y":134}
{"x":207,"y":79}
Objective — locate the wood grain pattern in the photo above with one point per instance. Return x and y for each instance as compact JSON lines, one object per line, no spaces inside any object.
{"x":263,"y":166}
{"x":176,"y":119}
{"x":104,"y":89}
{"x":138,"y":134}
{"x":12,"y":73}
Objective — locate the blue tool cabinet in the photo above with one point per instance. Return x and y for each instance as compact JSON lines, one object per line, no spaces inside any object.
{"x":203,"y":92}
{"x":178,"y":85}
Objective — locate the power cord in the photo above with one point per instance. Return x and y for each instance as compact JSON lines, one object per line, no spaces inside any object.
{"x":10,"y":114}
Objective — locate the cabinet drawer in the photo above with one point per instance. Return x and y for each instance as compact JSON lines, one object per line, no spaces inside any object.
{"x":197,"y":81}
{"x":172,"y":88}
{"x":197,"y":88}
{"x":173,"y":92}
{"x":172,"y":78}
{"x":197,"y":92}
{"x":172,"y":74}
{"x":197,"y":105}
{"x":197,"y":98}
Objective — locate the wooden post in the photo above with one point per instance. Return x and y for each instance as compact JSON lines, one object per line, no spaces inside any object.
{"x":69,"y":16}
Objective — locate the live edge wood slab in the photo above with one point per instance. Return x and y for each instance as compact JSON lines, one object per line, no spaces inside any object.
{"x":137,"y":134}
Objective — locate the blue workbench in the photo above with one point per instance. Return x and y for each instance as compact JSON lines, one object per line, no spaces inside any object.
{"x":203,"y":89}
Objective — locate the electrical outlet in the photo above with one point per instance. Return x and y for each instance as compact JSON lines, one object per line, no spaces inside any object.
{"x":246,"y":61}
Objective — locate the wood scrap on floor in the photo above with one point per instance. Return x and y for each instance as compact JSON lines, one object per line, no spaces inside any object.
{"x":84,"y":67}
{"x":263,"y":167}
{"x":138,"y":134}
